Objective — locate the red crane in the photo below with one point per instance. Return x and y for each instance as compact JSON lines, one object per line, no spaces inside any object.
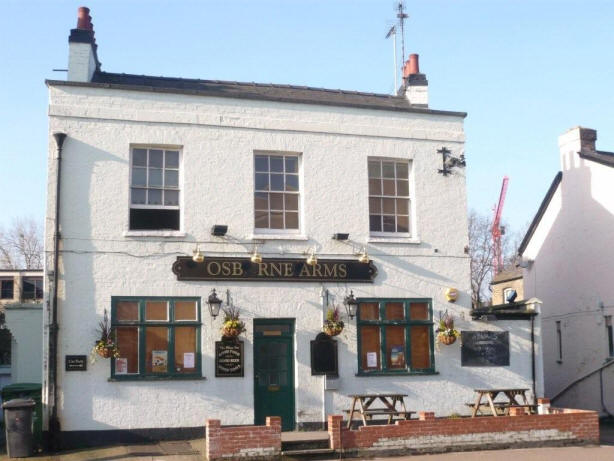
{"x":496,"y":230}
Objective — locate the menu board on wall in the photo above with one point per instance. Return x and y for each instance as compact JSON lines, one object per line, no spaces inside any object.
{"x":228,"y":359}
{"x":485,"y":348}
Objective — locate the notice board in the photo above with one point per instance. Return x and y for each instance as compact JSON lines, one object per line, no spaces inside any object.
{"x":485,"y":348}
{"x":228,"y":359}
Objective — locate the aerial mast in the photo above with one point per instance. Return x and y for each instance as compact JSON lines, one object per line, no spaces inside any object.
{"x":497,"y":230}
{"x":402,"y":17}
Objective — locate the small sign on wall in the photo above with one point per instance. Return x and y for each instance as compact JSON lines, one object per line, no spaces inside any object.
{"x":76,"y":363}
{"x":228,"y":359}
{"x":485,"y":348}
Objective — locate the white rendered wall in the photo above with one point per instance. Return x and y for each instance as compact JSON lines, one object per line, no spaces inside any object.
{"x":100,"y":259}
{"x":573,"y":250}
{"x":26,"y":326}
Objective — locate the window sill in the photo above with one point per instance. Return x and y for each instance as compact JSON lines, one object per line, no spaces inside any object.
{"x":153,"y":233}
{"x":408,"y":240}
{"x":278,"y":237}
{"x":155,"y":378}
{"x":396,"y":373}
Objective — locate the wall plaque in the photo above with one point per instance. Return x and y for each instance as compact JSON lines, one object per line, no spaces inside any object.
{"x":275,"y":269}
{"x":324,"y":356}
{"x":76,"y":363}
{"x":485,"y":348}
{"x":228,"y":359}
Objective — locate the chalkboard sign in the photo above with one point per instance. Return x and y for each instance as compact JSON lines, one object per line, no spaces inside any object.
{"x":228,"y":359}
{"x":76,"y":363}
{"x":485,"y":348}
{"x":324,"y":356}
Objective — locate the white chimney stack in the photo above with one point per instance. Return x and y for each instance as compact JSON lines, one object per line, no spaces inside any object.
{"x":574,"y":140}
{"x":82,"y":57}
{"x":415,"y":84}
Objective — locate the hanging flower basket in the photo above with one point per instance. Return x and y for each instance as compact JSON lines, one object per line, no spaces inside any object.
{"x":106,"y":351}
{"x":446,"y":333}
{"x":332,"y":328}
{"x":105,"y":347}
{"x":446,"y":339}
{"x":230,"y":331}
{"x":232,"y":326}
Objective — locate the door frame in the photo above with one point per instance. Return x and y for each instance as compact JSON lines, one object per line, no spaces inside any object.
{"x":291,"y":322}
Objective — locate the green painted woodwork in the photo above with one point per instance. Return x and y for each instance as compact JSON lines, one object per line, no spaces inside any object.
{"x":274,"y":371}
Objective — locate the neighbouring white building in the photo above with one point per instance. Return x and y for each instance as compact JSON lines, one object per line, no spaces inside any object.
{"x":170,"y":188}
{"x":568,"y":253}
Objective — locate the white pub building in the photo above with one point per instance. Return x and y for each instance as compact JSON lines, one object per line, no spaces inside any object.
{"x":288,"y":202}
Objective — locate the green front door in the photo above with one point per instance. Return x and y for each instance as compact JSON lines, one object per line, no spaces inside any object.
{"x":274,"y":371}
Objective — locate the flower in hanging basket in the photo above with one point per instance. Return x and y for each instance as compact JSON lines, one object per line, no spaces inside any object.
{"x":333,"y":325}
{"x":446,"y":333}
{"x":106,"y":346}
{"x":232,"y":326}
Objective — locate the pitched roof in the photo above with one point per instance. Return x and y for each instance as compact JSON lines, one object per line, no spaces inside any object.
{"x":507,"y":275}
{"x":540,"y":212}
{"x":605,"y":158}
{"x":256,"y":91}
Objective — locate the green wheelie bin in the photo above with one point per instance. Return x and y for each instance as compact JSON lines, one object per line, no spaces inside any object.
{"x":28,"y":391}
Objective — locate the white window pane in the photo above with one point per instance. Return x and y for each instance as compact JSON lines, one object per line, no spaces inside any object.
{"x":291,"y":165}
{"x":171,"y":159}
{"x":277,"y":164}
{"x":292,"y":182}
{"x":375,"y":170}
{"x":277,"y":182}
{"x":155,"y":158}
{"x":171,"y":197}
{"x":171,"y":178}
{"x":154,"y":197}
{"x":139,"y":157}
{"x":139,"y":176}
{"x":262,"y":181}
{"x":138,"y":196}
{"x":155,"y":177}
{"x":262,"y":163}
{"x":402,"y":170}
{"x":388,"y":169}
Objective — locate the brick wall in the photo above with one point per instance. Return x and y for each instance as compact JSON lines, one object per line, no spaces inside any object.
{"x":429,"y":434}
{"x":245,"y":442}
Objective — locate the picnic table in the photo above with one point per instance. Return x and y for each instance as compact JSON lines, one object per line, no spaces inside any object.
{"x":485,"y":399}
{"x":393,"y":406}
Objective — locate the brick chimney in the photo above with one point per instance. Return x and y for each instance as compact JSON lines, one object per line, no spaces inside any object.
{"x":82,"y":56}
{"x":574,"y":140}
{"x":415,"y":85}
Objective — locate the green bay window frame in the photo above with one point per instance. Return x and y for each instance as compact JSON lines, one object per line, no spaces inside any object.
{"x":171,"y":324}
{"x":407,"y":323}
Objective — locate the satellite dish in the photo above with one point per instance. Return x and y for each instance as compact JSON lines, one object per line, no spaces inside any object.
{"x":511,"y":296}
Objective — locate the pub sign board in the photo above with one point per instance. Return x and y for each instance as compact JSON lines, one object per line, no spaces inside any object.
{"x":76,"y":363}
{"x":228,"y":359}
{"x":485,"y":348}
{"x":274,"y":269}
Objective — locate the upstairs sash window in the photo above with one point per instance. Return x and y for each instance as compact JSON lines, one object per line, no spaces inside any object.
{"x":389,"y":203}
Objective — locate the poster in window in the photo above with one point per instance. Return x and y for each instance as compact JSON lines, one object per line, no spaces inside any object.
{"x":371,"y":359}
{"x":188,"y":360}
{"x":121,"y":366}
{"x":159,"y":359}
{"x":397,"y":357}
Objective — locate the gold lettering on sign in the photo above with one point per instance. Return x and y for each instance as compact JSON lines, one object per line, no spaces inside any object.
{"x":275,"y":269}
{"x":226,"y":268}
{"x":316,"y":270}
{"x":263,"y":270}
{"x":304,"y":271}
{"x":288,"y":269}
{"x":236,"y":268}
{"x":210,"y":266}
{"x":330,"y":271}
{"x":343,"y":270}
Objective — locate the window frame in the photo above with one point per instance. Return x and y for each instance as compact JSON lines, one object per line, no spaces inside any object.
{"x":298,"y":193}
{"x":180,"y":190}
{"x":33,"y":280}
{"x":609,"y":334}
{"x":410,"y":198}
{"x":407,"y":323}
{"x":2,"y":289}
{"x":142,"y":323}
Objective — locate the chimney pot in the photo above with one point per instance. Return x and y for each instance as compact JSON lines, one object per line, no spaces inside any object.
{"x":83,"y":18}
{"x":412,"y":66}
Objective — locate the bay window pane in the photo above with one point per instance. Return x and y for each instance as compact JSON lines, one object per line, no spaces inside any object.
{"x":402,"y":188}
{"x":139,"y":157}
{"x":127,"y":311}
{"x":291,"y":202}
{"x":156,"y":311}
{"x":128,"y":345}
{"x":154,"y":197}
{"x":277,"y":182}
{"x":261,"y":219}
{"x":375,"y":186}
{"x":388,"y":187}
{"x":403,"y":206}
{"x":388,"y":205}
{"x":370,"y":347}
{"x":171,"y":159}
{"x":277,"y":220}
{"x":171,"y":178}
{"x":402,"y":170}
{"x":261,"y":201}
{"x":375,"y":170}
{"x":155,"y":177}
{"x":155,"y":158}
{"x":262,"y":181}
{"x":185,"y":349}
{"x":277,"y":164}
{"x":402,"y":224}
{"x":388,"y":169}
{"x":395,"y":346}
{"x":420,"y":347}
{"x":292,"y":182}
{"x":262,"y":163}
{"x":291,"y":165}
{"x":389,"y":224}
{"x":276,"y":201}
{"x":369,"y":311}
{"x":171,"y":197}
{"x":138,"y":196}
{"x":375,"y":223}
{"x":156,"y":349}
{"x":185,"y":310}
{"x":139,"y":176}
{"x":375,"y":205}
{"x":291,"y":220}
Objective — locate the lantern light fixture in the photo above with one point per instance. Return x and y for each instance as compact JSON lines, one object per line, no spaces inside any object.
{"x":197,"y":255}
{"x":351,"y":305}
{"x":363,"y":256}
{"x":312,"y":259}
{"x":214,"y":304}
{"x":256,"y":257}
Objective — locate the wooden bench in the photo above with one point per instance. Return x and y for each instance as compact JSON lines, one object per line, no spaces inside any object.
{"x":503,"y":407}
{"x":385,"y":412}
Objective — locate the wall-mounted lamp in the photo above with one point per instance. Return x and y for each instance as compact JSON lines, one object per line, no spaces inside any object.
{"x":363,"y":256}
{"x":449,"y":161}
{"x":341,"y":236}
{"x":351,"y":305}
{"x":219,"y":230}
{"x":197,"y":255}
{"x":214,"y":304}
{"x":256,"y":257}
{"x":312,"y":259}
{"x":451,"y":294}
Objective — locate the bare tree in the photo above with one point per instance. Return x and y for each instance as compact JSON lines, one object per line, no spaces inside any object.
{"x":21,"y":245}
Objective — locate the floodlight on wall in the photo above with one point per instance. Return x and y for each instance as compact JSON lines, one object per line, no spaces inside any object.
{"x":197,"y":255}
{"x":214,"y":304}
{"x":341,"y":236}
{"x":219,"y":230}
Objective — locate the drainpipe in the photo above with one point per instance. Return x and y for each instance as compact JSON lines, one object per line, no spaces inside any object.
{"x":533,"y":357}
{"x":54,"y":423}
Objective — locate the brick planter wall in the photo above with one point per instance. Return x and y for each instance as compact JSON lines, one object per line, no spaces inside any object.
{"x":430,"y":435}
{"x":244,"y":442}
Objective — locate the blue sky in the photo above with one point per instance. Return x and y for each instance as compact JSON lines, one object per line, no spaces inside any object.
{"x":524,"y":70}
